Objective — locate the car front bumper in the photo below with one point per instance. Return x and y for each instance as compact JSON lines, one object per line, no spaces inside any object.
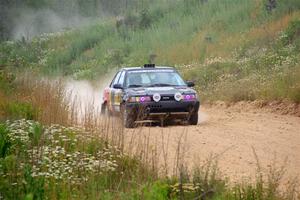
{"x":162,"y":109}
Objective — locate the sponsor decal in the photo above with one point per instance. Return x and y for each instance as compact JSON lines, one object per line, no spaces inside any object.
{"x":161,"y":88}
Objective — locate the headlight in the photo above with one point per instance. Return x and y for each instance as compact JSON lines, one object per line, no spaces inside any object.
{"x":139,"y":99}
{"x":189,"y":97}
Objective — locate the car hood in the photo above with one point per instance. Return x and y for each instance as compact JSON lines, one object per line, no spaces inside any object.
{"x":161,"y":90}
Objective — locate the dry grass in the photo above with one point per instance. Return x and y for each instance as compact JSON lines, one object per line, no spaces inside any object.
{"x":48,"y":96}
{"x":226,"y":43}
{"x":270,"y":30}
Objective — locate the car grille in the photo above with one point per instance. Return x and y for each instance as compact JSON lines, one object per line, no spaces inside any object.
{"x":167,"y":98}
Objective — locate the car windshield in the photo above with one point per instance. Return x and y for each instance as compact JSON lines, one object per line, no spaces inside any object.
{"x":152,"y":78}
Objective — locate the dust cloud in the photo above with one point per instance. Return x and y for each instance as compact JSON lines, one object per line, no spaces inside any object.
{"x":203,"y":117}
{"x":87,"y":96}
{"x":31,"y":23}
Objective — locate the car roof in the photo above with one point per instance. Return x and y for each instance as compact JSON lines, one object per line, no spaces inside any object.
{"x":146,"y":68}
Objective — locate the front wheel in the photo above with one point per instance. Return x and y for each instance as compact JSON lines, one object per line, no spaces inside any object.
{"x":128,"y":119}
{"x":193,"y":120}
{"x":103,"y":108}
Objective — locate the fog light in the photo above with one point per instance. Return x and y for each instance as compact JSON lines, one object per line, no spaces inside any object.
{"x":156,"y":97}
{"x":139,"y":99}
{"x":178,"y":96}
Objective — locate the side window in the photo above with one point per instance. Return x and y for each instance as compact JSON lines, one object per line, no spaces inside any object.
{"x":115,"y":81}
{"x":122,"y":77}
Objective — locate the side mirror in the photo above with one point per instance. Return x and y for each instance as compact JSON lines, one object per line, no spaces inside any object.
{"x":117,"y":86}
{"x":190,"y":83}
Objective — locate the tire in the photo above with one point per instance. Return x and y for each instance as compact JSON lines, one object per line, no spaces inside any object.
{"x":104,"y":108}
{"x":128,"y":119}
{"x":193,"y":120}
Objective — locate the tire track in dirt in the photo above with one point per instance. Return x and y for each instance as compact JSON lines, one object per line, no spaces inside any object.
{"x":231,"y":135}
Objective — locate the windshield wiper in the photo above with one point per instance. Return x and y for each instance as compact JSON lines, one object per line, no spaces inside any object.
{"x":134,"y":85}
{"x":161,"y":85}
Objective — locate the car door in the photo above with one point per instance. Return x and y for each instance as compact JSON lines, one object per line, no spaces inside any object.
{"x":118,"y":93}
{"x":110,"y":93}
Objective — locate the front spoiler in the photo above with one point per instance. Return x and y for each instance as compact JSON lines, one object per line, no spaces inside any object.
{"x":163,"y":110}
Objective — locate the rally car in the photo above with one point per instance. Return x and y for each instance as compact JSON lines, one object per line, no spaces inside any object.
{"x":150,"y":94}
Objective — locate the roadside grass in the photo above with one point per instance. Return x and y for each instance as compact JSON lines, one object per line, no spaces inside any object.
{"x":269,"y":72}
{"x":36,"y":99}
{"x":57,"y":162}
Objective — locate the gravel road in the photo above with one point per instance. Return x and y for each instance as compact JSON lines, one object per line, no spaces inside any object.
{"x":231,"y":136}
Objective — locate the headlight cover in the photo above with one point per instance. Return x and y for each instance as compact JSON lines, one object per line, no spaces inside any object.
{"x":189,"y":97}
{"x":140,"y":99}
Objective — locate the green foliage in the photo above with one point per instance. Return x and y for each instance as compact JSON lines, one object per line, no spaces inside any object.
{"x":157,"y":190}
{"x":292,"y":34}
{"x":160,"y":28}
{"x":6,"y":81}
{"x":287,"y":6}
{"x":5,"y":144}
{"x":61,"y":61}
{"x":34,"y":188}
{"x":270,"y":72}
{"x":146,"y":19}
{"x":59,"y":162}
{"x":19,"y":110}
{"x":35,"y":133}
{"x":21,"y":54}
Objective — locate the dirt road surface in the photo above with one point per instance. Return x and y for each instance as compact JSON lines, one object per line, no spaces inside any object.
{"x":232,"y":136}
